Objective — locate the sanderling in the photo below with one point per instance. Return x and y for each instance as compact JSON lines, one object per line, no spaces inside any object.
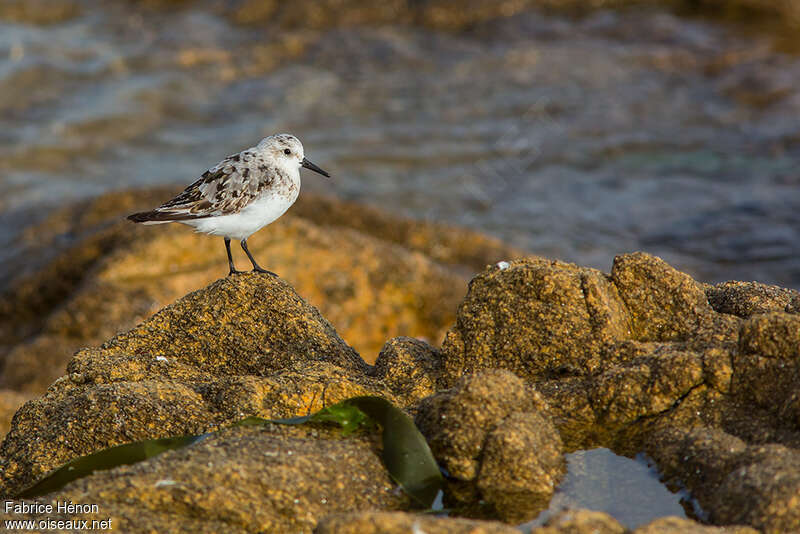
{"x":239,"y":195}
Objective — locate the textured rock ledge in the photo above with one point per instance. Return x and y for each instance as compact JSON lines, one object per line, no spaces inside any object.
{"x":86,"y":274}
{"x":542,"y":357}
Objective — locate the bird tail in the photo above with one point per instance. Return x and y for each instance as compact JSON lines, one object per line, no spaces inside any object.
{"x":150,"y":217}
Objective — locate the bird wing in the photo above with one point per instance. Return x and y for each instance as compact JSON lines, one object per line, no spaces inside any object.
{"x":224,"y":189}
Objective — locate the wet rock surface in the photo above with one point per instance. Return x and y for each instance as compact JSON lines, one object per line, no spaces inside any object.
{"x":735,"y":483}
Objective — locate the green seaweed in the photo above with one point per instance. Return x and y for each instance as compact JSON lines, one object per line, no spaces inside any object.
{"x":406,"y":454}
{"x":125,"y":454}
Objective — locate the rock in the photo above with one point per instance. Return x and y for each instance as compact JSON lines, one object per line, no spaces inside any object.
{"x":774,"y":335}
{"x":581,"y":522}
{"x":768,"y":383}
{"x":39,"y":12}
{"x":608,"y":352}
{"x":763,"y":491}
{"x":638,"y":358}
{"x":403,"y":523}
{"x":249,"y":324}
{"x":678,"y":525}
{"x":522,"y":463}
{"x":697,"y":458}
{"x":10,"y":401}
{"x":409,"y":367}
{"x":245,"y":345}
{"x":456,"y":422}
{"x":87,"y":274}
{"x":735,"y":483}
{"x":246,"y":479}
{"x":794,"y":305}
{"x":627,"y":358}
{"x":664,"y":304}
{"x":744,"y":299}
{"x":495,"y":434}
{"x":766,"y":369}
{"x":536,"y":318}
{"x":644,"y":387}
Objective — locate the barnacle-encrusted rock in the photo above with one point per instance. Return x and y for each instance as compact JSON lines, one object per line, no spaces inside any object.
{"x":663,"y":303}
{"x":245,"y":345}
{"x":735,"y":483}
{"x":409,"y":367}
{"x":245,"y":479}
{"x":522,"y":462}
{"x":749,"y":298}
{"x":637,"y":358}
{"x":679,"y":525}
{"x":456,"y":422}
{"x":621,"y":356}
{"x":536,"y":318}
{"x":775,"y":335}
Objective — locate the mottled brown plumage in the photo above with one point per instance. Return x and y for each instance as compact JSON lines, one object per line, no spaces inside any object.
{"x":224,"y":189}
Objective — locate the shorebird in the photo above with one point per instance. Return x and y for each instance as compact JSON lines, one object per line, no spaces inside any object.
{"x":239,"y":195}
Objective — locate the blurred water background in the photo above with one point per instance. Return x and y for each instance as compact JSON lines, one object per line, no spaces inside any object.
{"x":573,"y":134}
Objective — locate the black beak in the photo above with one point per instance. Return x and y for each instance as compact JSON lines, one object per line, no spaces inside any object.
{"x":308,"y":165}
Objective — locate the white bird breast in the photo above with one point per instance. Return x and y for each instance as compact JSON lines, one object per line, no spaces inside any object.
{"x":251,"y":219}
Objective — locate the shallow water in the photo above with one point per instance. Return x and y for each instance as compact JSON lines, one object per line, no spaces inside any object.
{"x":629,"y":490}
{"x":574,"y":138}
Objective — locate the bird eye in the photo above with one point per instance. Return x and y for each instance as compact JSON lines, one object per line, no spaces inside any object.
{"x":287,"y":151}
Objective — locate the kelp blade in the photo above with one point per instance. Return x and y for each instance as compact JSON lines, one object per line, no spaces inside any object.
{"x":126,"y":454}
{"x":405,"y":451}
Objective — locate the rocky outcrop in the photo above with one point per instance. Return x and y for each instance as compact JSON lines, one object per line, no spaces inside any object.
{"x":622,"y":356}
{"x":87,"y":275}
{"x":245,"y":345}
{"x":543,"y":357}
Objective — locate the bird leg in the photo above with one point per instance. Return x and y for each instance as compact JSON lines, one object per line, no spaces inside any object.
{"x":256,"y":267}
{"x":230,"y":258}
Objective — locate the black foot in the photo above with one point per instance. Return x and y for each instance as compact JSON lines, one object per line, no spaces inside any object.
{"x":264,"y":271}
{"x":235,"y":272}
